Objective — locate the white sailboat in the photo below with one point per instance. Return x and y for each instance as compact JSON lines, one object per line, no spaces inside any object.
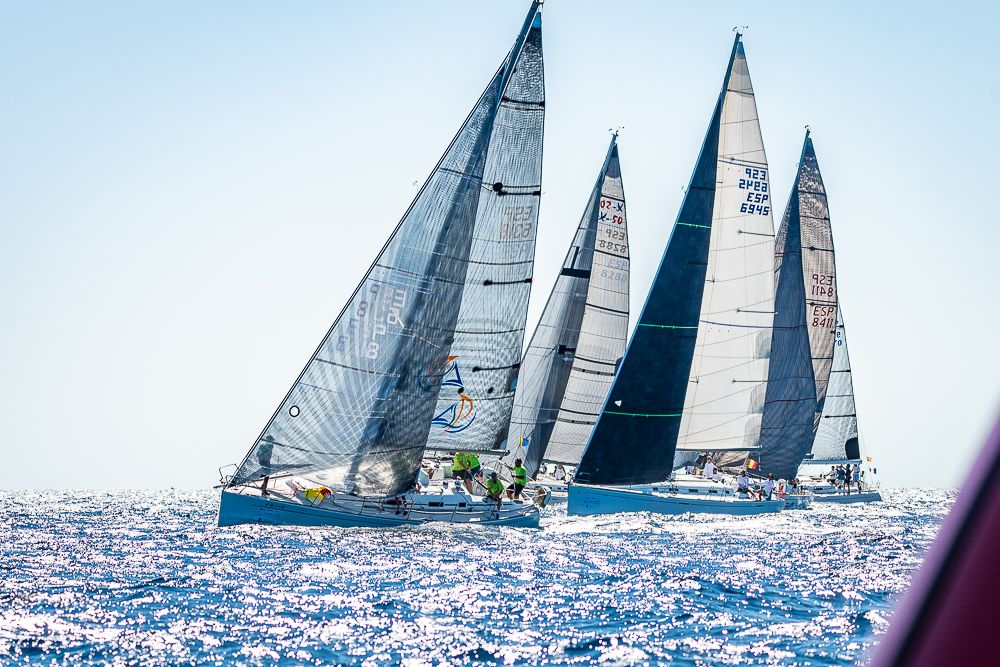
{"x":694,"y":374}
{"x":428,"y":346}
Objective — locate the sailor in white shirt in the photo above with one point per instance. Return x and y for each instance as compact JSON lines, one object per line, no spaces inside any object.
{"x":769,"y":486}
{"x":743,"y":483}
{"x":709,"y":469}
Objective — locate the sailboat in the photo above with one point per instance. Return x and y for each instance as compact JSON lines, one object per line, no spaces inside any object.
{"x":580,"y":339}
{"x":429,"y":344}
{"x":837,"y":441}
{"x":695,"y":371}
{"x":810,"y":399}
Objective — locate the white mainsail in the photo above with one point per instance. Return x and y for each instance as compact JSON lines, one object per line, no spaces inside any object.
{"x":570,"y":362}
{"x":837,"y":436}
{"x":725,"y":395}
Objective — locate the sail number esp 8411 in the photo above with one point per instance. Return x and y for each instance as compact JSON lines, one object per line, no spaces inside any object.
{"x":758,"y":199}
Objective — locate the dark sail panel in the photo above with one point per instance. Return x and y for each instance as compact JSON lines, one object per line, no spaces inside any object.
{"x":634,"y":439}
{"x":790,"y":400}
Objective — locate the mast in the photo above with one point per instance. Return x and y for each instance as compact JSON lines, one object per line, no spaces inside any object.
{"x":571,"y":359}
{"x":357,"y":416}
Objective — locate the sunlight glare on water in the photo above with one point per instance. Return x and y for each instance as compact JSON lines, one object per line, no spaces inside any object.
{"x":145,"y":577}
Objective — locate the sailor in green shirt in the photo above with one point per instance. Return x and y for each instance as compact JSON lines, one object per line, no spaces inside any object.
{"x":494,"y":488}
{"x":520,"y":474}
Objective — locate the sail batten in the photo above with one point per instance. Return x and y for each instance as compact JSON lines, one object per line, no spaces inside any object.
{"x":359,"y":415}
{"x":570,"y":360}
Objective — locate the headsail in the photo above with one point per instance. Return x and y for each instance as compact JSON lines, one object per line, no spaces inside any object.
{"x":571,"y":359}
{"x":837,"y":436}
{"x":695,"y":369}
{"x":358,"y":416}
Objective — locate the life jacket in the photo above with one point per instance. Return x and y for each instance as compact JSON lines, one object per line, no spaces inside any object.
{"x":520,"y":475}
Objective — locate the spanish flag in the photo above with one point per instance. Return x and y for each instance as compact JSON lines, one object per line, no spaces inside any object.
{"x":751,"y":464}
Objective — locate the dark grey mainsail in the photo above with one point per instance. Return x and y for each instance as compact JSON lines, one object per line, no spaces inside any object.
{"x":359,"y":415}
{"x":802,"y":339}
{"x":721,"y":247}
{"x":571,"y":359}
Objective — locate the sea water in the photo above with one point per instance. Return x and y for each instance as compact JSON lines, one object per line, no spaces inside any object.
{"x":145,"y":577}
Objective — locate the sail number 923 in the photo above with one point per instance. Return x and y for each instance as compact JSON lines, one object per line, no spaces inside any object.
{"x":758,"y":201}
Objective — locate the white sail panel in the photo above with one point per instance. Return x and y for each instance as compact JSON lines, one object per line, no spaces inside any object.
{"x":819,"y":268}
{"x":570,"y":361}
{"x":474,"y":413}
{"x":837,"y":436}
{"x":604,"y":327}
{"x":729,"y":372}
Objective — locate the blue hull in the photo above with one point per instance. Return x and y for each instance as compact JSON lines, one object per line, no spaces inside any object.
{"x":238,"y":508}
{"x":586,"y":500}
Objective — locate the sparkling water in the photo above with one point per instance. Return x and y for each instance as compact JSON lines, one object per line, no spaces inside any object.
{"x":144,"y":577}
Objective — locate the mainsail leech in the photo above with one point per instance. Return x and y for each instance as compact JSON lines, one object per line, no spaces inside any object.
{"x":358,"y":416}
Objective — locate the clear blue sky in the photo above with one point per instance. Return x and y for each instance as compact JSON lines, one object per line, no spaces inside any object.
{"x":190,"y":191}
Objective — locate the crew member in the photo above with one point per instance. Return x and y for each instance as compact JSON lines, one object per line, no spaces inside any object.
{"x":494,"y":488}
{"x":520,"y":474}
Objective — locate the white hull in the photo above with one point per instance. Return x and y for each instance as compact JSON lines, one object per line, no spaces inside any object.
{"x":587,"y":500}
{"x":240,"y":506}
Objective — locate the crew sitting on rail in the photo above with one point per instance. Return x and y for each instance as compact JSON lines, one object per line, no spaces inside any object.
{"x":494,"y":488}
{"x":520,"y":474}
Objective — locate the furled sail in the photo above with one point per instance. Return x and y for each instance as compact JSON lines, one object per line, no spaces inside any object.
{"x":694,"y":373}
{"x":837,"y":436}
{"x":580,"y":338}
{"x":359,"y":415}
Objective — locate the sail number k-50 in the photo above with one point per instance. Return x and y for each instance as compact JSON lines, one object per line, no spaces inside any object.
{"x":757,"y":201}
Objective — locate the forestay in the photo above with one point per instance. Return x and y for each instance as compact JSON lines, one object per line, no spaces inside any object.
{"x":580,"y":338}
{"x":358,"y":417}
{"x":694,"y":371}
{"x":837,"y":436}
